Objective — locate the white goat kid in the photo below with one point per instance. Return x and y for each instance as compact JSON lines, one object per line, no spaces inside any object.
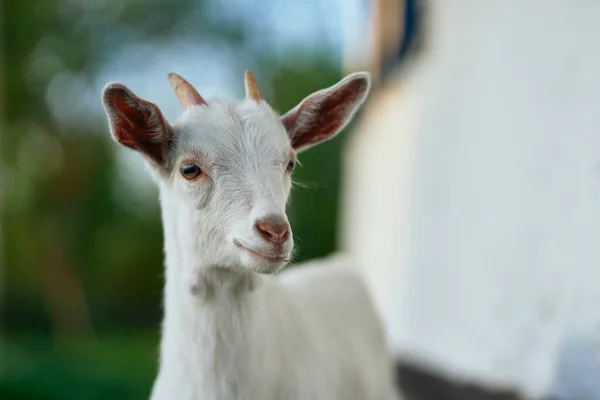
{"x":231,"y":331}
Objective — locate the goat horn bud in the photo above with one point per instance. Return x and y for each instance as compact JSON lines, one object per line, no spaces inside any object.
{"x":185,"y":92}
{"x":251,"y":86}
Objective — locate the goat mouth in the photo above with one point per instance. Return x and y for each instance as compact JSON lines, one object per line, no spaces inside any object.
{"x":278,"y":259}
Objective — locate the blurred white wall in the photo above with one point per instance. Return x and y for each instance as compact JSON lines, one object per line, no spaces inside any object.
{"x":472,"y":196}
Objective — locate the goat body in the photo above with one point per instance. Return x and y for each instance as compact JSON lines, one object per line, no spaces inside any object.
{"x":309,"y":333}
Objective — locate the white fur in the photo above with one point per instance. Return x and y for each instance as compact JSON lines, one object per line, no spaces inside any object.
{"x":309,"y":334}
{"x":229,"y":331}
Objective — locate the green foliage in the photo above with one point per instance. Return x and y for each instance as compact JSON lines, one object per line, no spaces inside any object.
{"x":120,"y":367}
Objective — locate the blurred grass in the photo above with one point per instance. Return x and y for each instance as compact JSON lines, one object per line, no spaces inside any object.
{"x":116,"y":366}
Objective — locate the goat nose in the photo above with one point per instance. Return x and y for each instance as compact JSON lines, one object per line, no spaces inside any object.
{"x":273,"y":228}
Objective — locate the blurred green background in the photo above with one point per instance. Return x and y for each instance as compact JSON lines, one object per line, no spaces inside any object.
{"x":80,"y":235}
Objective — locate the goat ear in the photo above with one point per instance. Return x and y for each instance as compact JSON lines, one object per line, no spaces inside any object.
{"x":323,"y":114}
{"x":136,"y":123}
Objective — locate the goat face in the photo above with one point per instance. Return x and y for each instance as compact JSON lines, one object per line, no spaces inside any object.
{"x":224,"y":168}
{"x":231,"y":166}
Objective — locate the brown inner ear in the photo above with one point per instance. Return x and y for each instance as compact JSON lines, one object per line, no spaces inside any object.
{"x":335,"y":108}
{"x":324,"y":114}
{"x":141,"y":127}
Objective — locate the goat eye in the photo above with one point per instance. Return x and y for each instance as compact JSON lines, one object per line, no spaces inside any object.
{"x":291,"y":165}
{"x":190,"y":171}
